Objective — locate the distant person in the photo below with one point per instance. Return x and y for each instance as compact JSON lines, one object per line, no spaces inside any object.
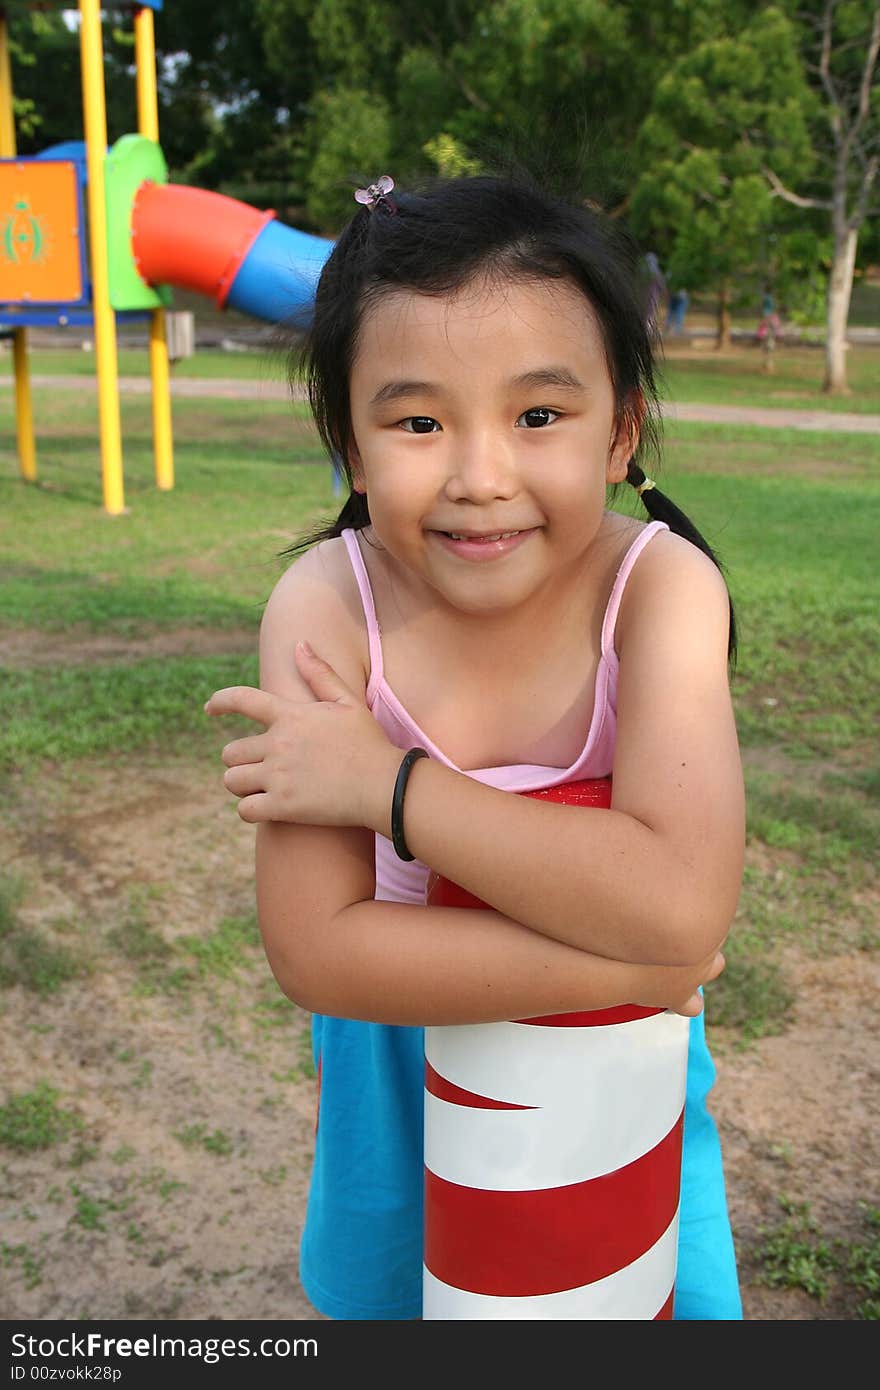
{"x":678,"y":304}
{"x":769,"y":326}
{"x":656,"y":294}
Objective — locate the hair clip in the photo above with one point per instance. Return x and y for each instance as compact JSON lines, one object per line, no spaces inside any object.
{"x":376,"y":194}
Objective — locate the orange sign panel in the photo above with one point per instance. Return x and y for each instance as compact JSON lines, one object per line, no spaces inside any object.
{"x":40,"y":260}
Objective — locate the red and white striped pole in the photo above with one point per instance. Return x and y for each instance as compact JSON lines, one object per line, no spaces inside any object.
{"x":553,"y":1155}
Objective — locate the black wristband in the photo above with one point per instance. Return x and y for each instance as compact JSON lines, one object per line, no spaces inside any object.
{"x":397,"y":836}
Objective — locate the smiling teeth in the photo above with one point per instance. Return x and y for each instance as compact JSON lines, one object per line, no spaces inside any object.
{"x":496,"y":536}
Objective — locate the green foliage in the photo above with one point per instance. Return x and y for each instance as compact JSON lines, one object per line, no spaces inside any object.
{"x":862,"y":1264}
{"x":234,"y":943}
{"x":174,"y":967}
{"x":793,"y":1254}
{"x":197,"y":1136}
{"x":752,"y":996}
{"x":29,"y":1264}
{"x":724,"y":110}
{"x":30,"y":956}
{"x":33,"y":1120}
{"x":154,"y":958}
{"x":11,"y":894}
{"x":49,"y":109}
{"x":226,"y":107}
{"x":449,"y":156}
{"x":33,"y":959}
{"x":349,"y":139}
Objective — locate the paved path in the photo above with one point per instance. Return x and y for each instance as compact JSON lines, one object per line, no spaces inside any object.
{"x":271,"y":390}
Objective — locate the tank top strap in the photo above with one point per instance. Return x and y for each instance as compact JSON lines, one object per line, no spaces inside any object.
{"x":367,"y":602}
{"x":609,"y":622}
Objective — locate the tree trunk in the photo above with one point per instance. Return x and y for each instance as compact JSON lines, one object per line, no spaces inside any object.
{"x":839,"y":292}
{"x":722,"y":340}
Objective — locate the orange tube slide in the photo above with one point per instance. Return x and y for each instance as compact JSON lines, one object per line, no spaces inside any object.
{"x":192,"y":238}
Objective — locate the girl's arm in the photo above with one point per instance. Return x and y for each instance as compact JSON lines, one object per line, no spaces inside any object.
{"x":654,"y":880}
{"x":336,"y":951}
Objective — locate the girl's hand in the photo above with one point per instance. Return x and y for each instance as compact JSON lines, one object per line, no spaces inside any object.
{"x":320,"y":763}
{"x":710,"y":970}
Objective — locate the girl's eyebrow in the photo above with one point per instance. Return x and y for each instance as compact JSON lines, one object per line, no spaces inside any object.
{"x":393,"y":390}
{"x":550,"y":376}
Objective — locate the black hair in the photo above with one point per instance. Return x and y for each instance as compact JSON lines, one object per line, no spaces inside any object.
{"x":440,"y":239}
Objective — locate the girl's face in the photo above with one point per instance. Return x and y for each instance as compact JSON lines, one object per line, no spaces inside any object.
{"x":484,"y":428}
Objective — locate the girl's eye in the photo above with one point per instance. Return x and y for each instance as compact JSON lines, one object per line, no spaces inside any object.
{"x":420,"y":424}
{"x":536,"y":418}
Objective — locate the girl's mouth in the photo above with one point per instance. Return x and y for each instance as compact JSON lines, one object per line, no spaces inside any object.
{"x":487,"y":547}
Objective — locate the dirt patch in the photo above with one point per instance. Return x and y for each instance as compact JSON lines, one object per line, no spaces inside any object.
{"x":180,"y":1193}
{"x":32,"y":648}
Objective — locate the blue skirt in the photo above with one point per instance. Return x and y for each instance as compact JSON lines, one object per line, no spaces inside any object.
{"x":361,"y":1252}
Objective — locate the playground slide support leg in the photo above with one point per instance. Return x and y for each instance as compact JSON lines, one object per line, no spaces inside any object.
{"x":24,"y":415}
{"x":95,"y":121}
{"x":148,"y":125}
{"x":163,"y":448}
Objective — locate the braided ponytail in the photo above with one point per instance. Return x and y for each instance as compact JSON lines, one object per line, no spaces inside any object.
{"x":660,"y":508}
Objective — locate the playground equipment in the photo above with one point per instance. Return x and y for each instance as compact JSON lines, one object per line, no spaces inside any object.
{"x":553,"y":1155}
{"x":91,"y":234}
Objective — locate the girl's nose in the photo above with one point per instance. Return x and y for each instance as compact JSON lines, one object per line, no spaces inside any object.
{"x":481,"y":469}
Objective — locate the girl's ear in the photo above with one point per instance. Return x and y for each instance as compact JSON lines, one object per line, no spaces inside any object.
{"x":626,"y":437}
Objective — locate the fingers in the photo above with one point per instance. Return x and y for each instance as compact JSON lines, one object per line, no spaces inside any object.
{"x":246,"y":780}
{"x":245,"y":700}
{"x":255,"y":809}
{"x":691,"y":1008}
{"x":245,"y":750}
{"x":320,"y":677}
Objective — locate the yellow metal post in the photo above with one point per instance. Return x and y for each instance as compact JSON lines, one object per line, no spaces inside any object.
{"x":95,"y":121}
{"x":148,"y":125}
{"x":24,"y":414}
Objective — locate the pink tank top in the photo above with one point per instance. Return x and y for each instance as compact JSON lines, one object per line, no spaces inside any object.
{"x":397,"y":881}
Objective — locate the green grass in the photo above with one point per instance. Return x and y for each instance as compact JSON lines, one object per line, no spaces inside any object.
{"x":179,"y":966}
{"x":33,"y":959}
{"x":252,"y":365}
{"x":234,"y":943}
{"x":738,"y":378}
{"x":29,"y":955}
{"x":202,"y":555}
{"x":154,"y":705}
{"x":794,"y":1254}
{"x":799,"y":547}
{"x":31,"y":1120}
{"x":197,"y":1136}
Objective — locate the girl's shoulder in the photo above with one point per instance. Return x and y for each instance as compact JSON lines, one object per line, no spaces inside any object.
{"x":674,"y":590}
{"x":317,"y":600}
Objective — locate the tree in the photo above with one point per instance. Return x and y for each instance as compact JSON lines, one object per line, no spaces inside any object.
{"x":351,"y":131}
{"x":841,"y":43}
{"x":230,"y":111}
{"x":702,"y":195}
{"x":47,"y":82}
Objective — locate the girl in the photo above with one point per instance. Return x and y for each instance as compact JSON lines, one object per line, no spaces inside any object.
{"x":480,"y":361}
